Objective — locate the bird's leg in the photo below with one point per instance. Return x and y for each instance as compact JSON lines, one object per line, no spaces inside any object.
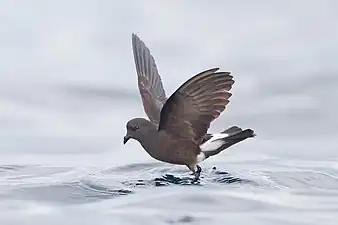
{"x":196,"y":172}
{"x":199,"y":170}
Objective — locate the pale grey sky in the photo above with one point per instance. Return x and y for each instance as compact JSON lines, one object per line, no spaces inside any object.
{"x":89,"y":41}
{"x":283,"y":55}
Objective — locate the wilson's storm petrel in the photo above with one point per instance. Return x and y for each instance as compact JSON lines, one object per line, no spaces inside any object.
{"x":176,"y":131}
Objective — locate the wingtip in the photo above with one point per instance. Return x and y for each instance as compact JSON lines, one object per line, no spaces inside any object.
{"x":134,"y":37}
{"x":213,"y":69}
{"x":253,"y":133}
{"x":137,"y":42}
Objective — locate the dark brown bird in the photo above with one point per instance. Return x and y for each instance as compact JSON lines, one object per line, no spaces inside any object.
{"x":176,"y":131}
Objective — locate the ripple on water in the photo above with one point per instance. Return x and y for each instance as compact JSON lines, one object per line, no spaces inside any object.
{"x":40,"y":183}
{"x":304,"y":179}
{"x":180,"y":177}
{"x":69,"y":193}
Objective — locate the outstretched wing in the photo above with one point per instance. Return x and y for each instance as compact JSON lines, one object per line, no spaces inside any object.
{"x":188,"y":112}
{"x":149,"y":80}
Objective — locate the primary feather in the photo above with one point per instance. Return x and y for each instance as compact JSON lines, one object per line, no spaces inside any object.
{"x":149,"y":81}
{"x":195,"y":104}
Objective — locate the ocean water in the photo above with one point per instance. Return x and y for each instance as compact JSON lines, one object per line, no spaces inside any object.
{"x":68,"y":85}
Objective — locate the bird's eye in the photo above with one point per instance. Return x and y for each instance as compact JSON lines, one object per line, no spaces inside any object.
{"x":135,"y":127}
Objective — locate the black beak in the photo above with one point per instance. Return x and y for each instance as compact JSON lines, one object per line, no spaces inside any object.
{"x":125,"y":139}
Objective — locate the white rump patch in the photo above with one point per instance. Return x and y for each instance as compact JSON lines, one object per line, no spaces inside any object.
{"x":200,"y":157}
{"x":213,"y":143}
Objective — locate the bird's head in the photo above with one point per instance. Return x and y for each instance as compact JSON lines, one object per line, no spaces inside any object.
{"x":136,"y":128}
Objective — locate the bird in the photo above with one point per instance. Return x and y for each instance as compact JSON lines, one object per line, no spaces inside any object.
{"x":176,"y":129}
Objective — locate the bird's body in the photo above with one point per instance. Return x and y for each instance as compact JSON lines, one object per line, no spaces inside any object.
{"x":160,"y":145}
{"x":176,"y":131}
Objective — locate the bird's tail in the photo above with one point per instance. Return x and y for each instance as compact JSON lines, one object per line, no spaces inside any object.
{"x":235,"y":135}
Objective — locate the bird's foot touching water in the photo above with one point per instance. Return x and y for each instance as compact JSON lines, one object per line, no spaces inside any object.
{"x":197,"y":173}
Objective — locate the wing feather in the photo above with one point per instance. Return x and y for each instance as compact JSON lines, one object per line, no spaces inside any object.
{"x":195,"y":104}
{"x":149,"y":81}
